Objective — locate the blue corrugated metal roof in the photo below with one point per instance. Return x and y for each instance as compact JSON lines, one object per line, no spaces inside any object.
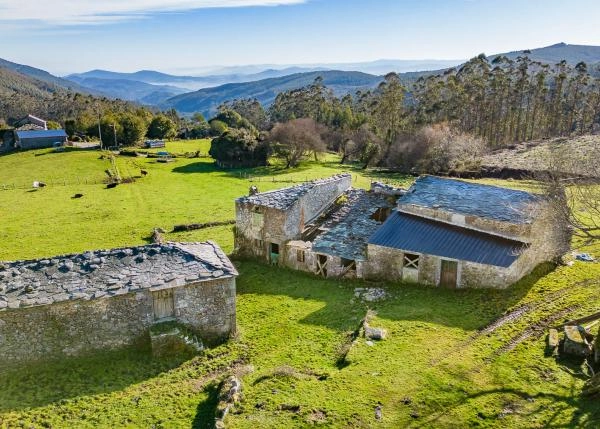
{"x":474,"y":199}
{"x":415,"y":234}
{"x":40,"y":134}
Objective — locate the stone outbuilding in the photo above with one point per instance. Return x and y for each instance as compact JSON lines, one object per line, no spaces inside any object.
{"x":267,"y":221}
{"x":441,"y":231}
{"x":456,"y":234}
{"x":74,"y":304}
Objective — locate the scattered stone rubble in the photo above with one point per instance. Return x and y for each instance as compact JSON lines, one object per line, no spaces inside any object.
{"x":370,"y":294}
{"x":229,"y":394}
{"x":109,"y":272}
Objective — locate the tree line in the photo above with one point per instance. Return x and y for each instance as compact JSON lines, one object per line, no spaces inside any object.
{"x":436,"y":123}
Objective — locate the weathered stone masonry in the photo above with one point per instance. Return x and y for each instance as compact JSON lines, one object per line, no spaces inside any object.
{"x":74,"y":304}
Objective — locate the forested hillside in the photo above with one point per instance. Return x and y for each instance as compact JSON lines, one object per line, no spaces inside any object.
{"x":42,"y":75}
{"x":207,"y":100}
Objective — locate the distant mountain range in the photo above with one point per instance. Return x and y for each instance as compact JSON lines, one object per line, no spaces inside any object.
{"x":161,"y":86}
{"x":263,"y":82}
{"x":208,"y":99}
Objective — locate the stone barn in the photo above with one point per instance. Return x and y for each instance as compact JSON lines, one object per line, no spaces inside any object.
{"x":457,"y":234}
{"x":441,"y":231}
{"x":73,"y":304}
{"x":265,"y":222}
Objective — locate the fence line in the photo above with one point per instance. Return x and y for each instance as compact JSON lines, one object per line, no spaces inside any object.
{"x":61,"y":182}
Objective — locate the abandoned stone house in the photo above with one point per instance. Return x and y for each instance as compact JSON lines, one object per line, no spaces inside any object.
{"x":441,"y":231}
{"x":74,"y":304}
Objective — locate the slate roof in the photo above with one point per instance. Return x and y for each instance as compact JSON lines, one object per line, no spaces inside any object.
{"x":416,"y":234}
{"x":474,"y":199}
{"x":110,"y":272}
{"x":348,"y":230}
{"x":285,"y":198}
{"x":41,"y":134}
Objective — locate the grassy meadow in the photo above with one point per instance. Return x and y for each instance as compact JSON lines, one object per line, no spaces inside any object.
{"x":48,"y":221}
{"x":443,"y":365}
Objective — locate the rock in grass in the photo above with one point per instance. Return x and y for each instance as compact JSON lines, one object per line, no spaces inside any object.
{"x":553,"y":339}
{"x":375,"y":333}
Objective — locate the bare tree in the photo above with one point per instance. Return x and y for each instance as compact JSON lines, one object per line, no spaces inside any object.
{"x":572,"y":186}
{"x":296,"y":140}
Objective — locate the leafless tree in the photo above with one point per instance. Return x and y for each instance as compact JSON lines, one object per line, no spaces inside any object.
{"x":297,"y":139}
{"x":572,"y":185}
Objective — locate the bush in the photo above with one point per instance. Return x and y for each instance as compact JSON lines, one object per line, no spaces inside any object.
{"x":435,"y":149}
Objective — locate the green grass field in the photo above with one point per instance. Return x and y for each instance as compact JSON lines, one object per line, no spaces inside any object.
{"x":48,"y":221}
{"x":436,"y":369}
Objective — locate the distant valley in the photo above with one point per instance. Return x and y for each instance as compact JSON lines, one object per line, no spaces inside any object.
{"x":206,"y":91}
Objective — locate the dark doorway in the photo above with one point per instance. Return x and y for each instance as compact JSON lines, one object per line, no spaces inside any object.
{"x":274,"y":253}
{"x":449,"y":274}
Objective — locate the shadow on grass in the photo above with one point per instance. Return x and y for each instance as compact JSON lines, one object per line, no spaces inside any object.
{"x":586,"y":415}
{"x":34,"y":385}
{"x":468,"y":309}
{"x":205,"y":412}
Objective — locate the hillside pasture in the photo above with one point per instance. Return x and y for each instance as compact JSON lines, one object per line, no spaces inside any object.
{"x":445,"y":364}
{"x":49,"y":221}
{"x":462,"y":358}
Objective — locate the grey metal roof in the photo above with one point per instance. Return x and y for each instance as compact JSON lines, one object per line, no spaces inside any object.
{"x":474,"y":199}
{"x":283,"y":199}
{"x":41,"y":133}
{"x":349,"y":228}
{"x":110,"y":272}
{"x":415,"y":234}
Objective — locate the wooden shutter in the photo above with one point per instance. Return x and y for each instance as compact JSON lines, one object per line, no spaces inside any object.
{"x":164,"y":305}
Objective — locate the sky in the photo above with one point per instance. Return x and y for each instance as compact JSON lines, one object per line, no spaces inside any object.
{"x":178,"y":36}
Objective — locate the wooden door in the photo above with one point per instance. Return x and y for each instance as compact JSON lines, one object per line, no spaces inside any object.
{"x":449,"y":274}
{"x":322,"y":265}
{"x":164,"y":306}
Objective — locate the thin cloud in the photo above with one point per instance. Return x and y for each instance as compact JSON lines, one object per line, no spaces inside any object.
{"x":85,"y":12}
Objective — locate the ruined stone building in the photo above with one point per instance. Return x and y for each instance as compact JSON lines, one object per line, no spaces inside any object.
{"x":443,"y":232}
{"x":74,"y":304}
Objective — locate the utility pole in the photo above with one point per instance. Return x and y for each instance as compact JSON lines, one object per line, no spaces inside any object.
{"x":115,"y":131}
{"x":99,"y":130}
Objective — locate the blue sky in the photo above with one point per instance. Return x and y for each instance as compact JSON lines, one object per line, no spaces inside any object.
{"x":64,"y":36}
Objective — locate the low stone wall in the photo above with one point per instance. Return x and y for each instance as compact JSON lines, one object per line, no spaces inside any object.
{"x":78,"y":327}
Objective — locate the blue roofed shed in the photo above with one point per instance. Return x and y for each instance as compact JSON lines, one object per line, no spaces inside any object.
{"x":418,"y":235}
{"x":39,"y":138}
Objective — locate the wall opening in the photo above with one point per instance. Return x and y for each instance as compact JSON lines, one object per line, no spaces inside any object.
{"x":300,"y":256}
{"x":348,"y":264}
{"x":322,"y":265}
{"x":381,"y":214}
{"x":274,"y":252}
{"x":163,"y":304}
{"x":410,"y":267}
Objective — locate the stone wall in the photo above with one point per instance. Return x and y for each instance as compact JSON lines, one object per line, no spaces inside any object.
{"x":260,"y":223}
{"x":314,"y":202}
{"x":521,"y":232}
{"x":79,"y":327}
{"x":386,"y":264}
{"x":207,"y":308}
{"x":383,"y":263}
